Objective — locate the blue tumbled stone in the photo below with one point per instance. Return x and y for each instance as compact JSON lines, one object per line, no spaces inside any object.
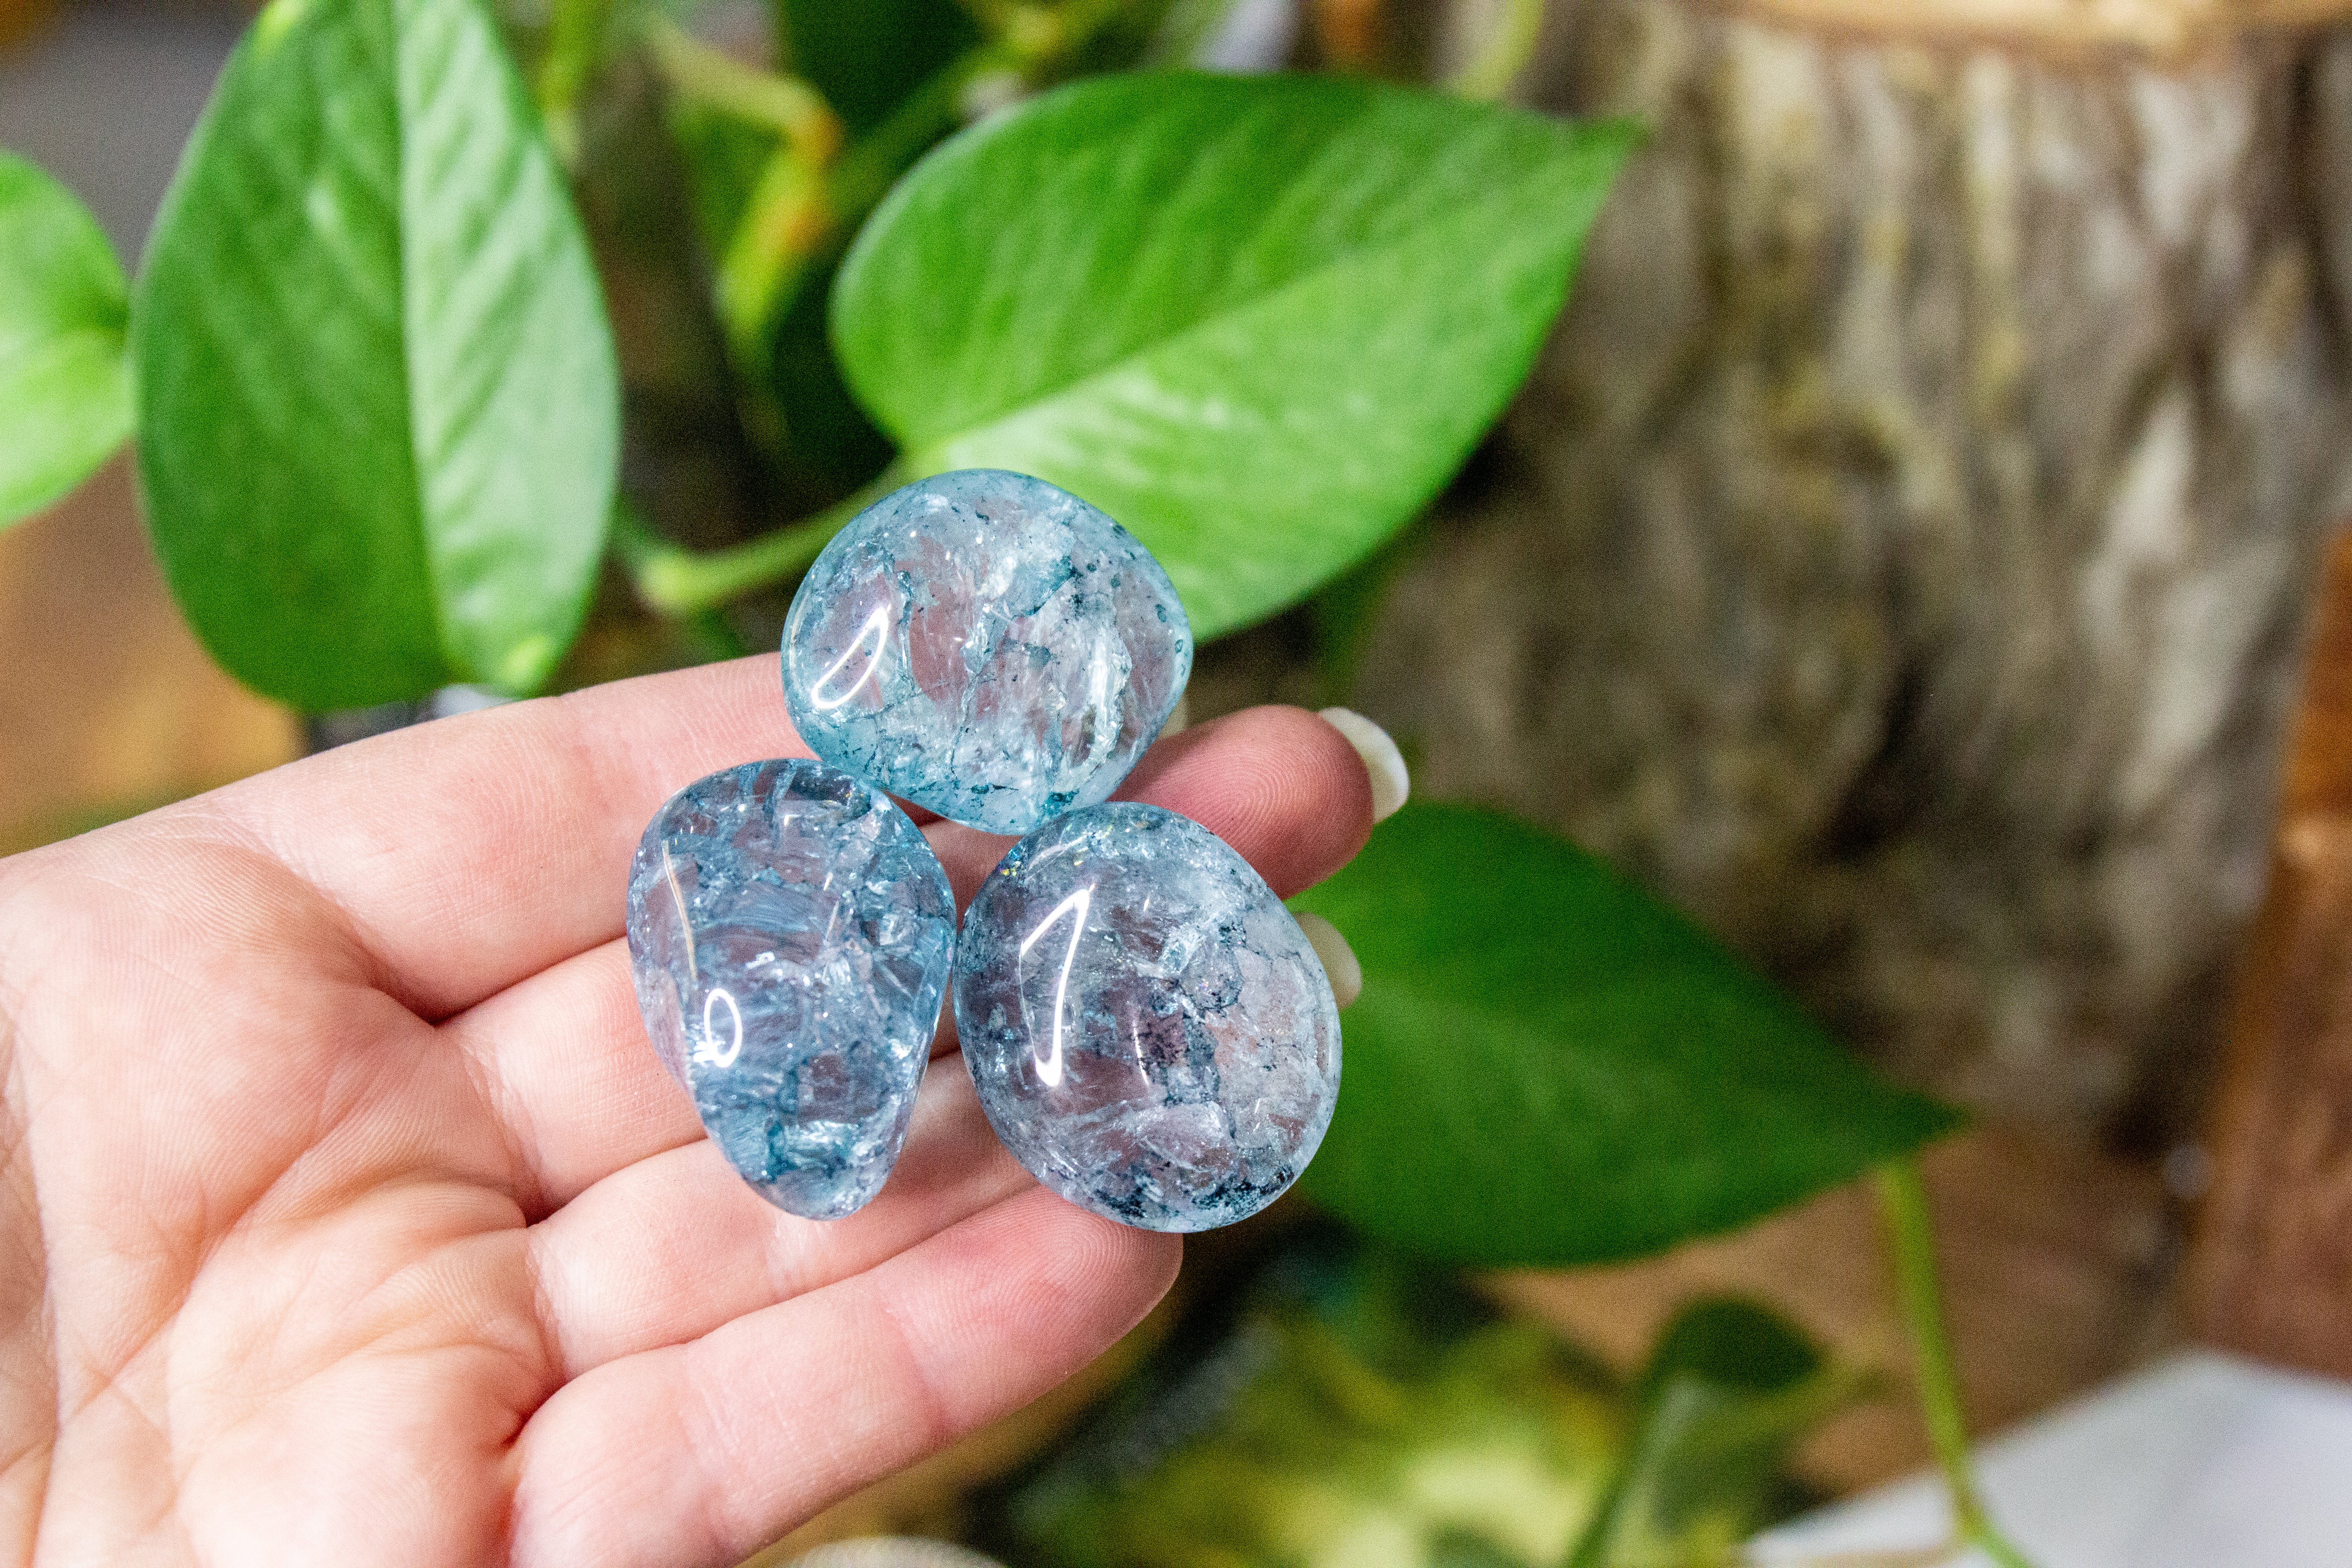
{"x":986,"y":645}
{"x":1150,"y":1030}
{"x":790,"y":934}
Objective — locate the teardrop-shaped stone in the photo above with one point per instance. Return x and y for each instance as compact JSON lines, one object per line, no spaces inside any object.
{"x":1151,"y":1034}
{"x":790,"y":934}
{"x":988,"y":646}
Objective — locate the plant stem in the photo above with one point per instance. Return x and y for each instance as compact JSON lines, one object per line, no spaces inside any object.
{"x":635,"y":546}
{"x":784,"y":225}
{"x":1033,"y":31}
{"x":812,"y":192}
{"x":1911,"y":1241}
{"x":1488,"y":74}
{"x":1034,"y":34}
{"x":784,"y":104}
{"x":578,"y":31}
{"x":672,"y":580}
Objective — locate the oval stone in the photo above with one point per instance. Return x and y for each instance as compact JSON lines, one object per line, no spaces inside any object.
{"x":986,"y":645}
{"x":790,"y":934}
{"x":1151,"y":1034}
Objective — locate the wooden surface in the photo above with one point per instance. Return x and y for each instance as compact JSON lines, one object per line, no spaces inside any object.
{"x":2273,"y":1270}
{"x":2054,"y":1266}
{"x":19,"y":17}
{"x":107,"y":704}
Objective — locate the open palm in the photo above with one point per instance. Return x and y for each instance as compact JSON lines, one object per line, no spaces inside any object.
{"x":348,"y":1217}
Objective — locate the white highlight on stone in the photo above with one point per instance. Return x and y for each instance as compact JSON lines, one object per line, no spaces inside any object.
{"x":877,"y":631}
{"x":1340,"y":965}
{"x":710,"y":1051}
{"x":1049,"y":1070}
{"x":1391,"y":783}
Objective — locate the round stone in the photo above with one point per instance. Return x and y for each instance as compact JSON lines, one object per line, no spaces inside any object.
{"x":1152,"y":1033}
{"x":986,"y":645}
{"x":790,"y":934}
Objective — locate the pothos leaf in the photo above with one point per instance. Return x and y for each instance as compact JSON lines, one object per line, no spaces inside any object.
{"x":379,"y":410}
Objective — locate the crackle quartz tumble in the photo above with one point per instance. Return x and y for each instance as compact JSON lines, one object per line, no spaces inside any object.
{"x":986,"y":645}
{"x":1151,"y":1034}
{"x":791,"y":935}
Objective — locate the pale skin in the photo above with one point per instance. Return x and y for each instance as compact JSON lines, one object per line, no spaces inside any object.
{"x":348,"y":1217}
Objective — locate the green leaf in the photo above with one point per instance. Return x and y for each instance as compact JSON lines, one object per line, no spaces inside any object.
{"x":1260,"y":322}
{"x":1548,"y":1066}
{"x":378,"y":412}
{"x":1731,"y":1385}
{"x":65,"y":383}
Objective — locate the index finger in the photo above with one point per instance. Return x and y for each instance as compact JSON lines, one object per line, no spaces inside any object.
{"x":471,"y":852}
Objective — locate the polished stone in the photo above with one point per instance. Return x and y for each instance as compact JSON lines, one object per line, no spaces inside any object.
{"x":986,"y":645}
{"x":790,"y":934}
{"x":1152,"y":1033}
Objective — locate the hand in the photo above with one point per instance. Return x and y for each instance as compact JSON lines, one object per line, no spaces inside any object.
{"x":349,"y":1218}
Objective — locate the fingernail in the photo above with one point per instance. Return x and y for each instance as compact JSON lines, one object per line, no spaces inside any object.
{"x":1382,"y":760}
{"x":1178,"y":717}
{"x":1347,"y":977}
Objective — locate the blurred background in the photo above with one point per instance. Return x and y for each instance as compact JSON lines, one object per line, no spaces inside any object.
{"x":1907,"y":557}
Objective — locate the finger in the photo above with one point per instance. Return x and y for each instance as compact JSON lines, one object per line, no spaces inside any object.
{"x":675,"y":1246}
{"x":577,"y":1084}
{"x":572,"y":1077}
{"x":472,"y":851}
{"x":1280,"y":785}
{"x":706,"y":1452}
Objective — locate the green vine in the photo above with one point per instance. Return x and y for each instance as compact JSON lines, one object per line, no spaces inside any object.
{"x":1911,"y":1241}
{"x":1488,"y":74}
{"x":671,"y":580}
